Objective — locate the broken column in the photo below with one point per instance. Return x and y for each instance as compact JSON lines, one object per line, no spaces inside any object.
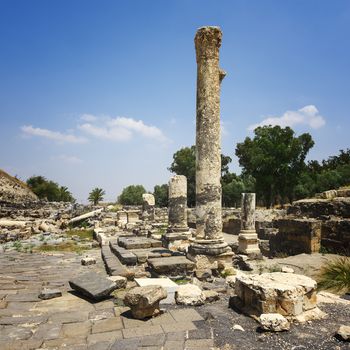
{"x":209,"y":239}
{"x":248,"y":242}
{"x":178,"y":232}
{"x":148,"y":204}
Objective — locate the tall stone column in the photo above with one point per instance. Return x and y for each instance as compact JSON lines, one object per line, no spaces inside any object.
{"x":177,"y":205}
{"x":248,"y":242}
{"x":209,"y":238}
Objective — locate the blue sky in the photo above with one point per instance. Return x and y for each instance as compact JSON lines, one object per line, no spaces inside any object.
{"x":102,"y":93}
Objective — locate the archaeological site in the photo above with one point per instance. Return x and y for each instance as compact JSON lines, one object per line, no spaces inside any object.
{"x":112,"y":276}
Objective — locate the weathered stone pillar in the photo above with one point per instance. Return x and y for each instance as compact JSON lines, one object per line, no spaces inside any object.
{"x":148,"y":206}
{"x":248,"y":242}
{"x":178,"y":233}
{"x":209,"y":239}
{"x":177,"y":205}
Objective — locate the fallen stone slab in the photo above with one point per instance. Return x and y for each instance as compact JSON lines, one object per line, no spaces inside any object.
{"x":274,"y":322}
{"x":144,"y":301}
{"x":47,"y":293}
{"x":174,"y":265}
{"x":86,"y":216}
{"x":93,"y":285}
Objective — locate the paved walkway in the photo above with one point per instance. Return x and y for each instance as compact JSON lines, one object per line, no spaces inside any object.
{"x":71,"y":322}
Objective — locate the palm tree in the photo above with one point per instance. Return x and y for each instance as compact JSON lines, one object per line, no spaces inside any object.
{"x":96,"y":195}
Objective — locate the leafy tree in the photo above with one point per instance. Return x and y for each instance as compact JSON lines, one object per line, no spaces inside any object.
{"x":96,"y":195}
{"x":132,"y":195}
{"x":184,"y":163}
{"x":49,"y":190}
{"x":275,"y":158}
{"x":161,"y":195}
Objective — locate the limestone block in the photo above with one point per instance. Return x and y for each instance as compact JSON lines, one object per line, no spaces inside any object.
{"x":274,"y":322}
{"x":189,"y":294}
{"x":285,"y":293}
{"x":120,"y":281}
{"x":144,"y":301}
{"x":344,"y":333}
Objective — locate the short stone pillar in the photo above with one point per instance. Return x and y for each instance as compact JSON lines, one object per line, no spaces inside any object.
{"x":209,"y":238}
{"x":148,"y":203}
{"x":177,"y":204}
{"x":248,"y":242}
{"x":178,"y":233}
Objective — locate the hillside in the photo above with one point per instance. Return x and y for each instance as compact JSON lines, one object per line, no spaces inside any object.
{"x":13,"y":190}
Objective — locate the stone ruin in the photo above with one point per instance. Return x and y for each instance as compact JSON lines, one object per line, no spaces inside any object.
{"x":145,"y":249}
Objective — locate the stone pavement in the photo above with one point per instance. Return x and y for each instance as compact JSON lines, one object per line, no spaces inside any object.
{"x":72,"y":322}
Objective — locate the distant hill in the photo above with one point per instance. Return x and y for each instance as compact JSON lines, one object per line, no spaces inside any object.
{"x":13,"y":190}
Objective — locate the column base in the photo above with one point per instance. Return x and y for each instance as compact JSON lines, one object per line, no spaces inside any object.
{"x":177,"y":240}
{"x":211,"y":247}
{"x":248,"y":242}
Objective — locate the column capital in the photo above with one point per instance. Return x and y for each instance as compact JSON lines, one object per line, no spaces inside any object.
{"x":207,"y":42}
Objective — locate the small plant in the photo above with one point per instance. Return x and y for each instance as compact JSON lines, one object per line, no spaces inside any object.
{"x":83,"y":234}
{"x":323,"y":250}
{"x":335,"y":275}
{"x":17,"y":245}
{"x":275,"y":268}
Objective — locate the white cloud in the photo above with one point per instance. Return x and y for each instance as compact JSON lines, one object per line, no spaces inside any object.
{"x":121,"y":129}
{"x":69,"y":159}
{"x":52,"y":135}
{"x":308,"y":115}
{"x":88,"y":118}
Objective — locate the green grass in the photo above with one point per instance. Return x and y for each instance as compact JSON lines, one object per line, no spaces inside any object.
{"x":83,"y":234}
{"x":62,"y":247}
{"x":335,"y":275}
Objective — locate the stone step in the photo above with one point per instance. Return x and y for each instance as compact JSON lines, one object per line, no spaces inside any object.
{"x":173,"y":266}
{"x":138,"y":242}
{"x":113,"y":265}
{"x":124,"y":255}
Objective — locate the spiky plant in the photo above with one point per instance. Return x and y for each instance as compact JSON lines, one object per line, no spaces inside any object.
{"x":335,"y":275}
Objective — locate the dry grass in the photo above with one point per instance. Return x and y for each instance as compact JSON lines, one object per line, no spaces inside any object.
{"x":335,"y":275}
{"x":61,"y":247}
{"x":82,"y":234}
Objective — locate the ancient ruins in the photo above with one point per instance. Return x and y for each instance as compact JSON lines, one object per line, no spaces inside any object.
{"x":172,"y":278}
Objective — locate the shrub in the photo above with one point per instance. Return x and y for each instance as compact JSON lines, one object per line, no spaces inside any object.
{"x":335,"y":275}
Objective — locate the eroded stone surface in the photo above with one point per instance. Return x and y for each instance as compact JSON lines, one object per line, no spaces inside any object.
{"x":285,"y":293}
{"x":93,"y":285}
{"x":144,"y":301}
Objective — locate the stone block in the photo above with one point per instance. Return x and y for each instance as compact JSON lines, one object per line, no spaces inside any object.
{"x":170,"y":286}
{"x":93,"y":285}
{"x":144,"y":301}
{"x":285,"y":293}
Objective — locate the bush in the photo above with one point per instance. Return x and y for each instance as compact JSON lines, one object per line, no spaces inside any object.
{"x":335,"y":275}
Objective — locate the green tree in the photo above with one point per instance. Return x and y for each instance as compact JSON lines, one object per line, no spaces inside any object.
{"x":275,"y":157}
{"x":132,"y":195}
{"x":184,"y":163}
{"x":96,"y":195}
{"x":161,"y":195}
{"x":49,"y":190}
{"x":65,"y":195}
